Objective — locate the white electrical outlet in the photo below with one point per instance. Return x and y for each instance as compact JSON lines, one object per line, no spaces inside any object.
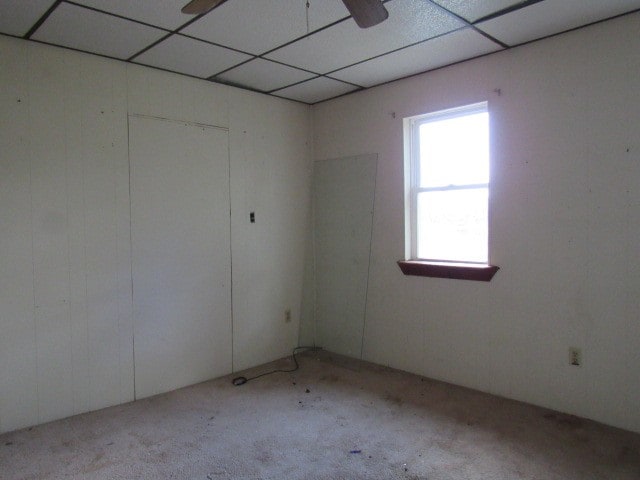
{"x":575,"y":356}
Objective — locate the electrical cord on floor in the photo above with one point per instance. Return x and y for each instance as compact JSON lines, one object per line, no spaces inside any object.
{"x":242,"y":380}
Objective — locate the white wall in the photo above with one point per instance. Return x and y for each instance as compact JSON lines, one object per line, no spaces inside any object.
{"x":270,"y":148}
{"x":66,"y":333}
{"x":565,"y":225}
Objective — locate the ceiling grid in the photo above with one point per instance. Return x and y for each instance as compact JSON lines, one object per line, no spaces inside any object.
{"x":308,"y":52}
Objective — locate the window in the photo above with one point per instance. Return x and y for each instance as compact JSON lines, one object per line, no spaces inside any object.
{"x":448,"y":190}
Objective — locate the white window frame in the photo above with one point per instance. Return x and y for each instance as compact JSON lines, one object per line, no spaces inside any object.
{"x":412,"y":172}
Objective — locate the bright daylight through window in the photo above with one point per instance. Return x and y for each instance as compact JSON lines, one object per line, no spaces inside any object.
{"x":449,"y":185}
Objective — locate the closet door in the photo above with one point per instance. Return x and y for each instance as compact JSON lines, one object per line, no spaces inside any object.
{"x":181,"y":263}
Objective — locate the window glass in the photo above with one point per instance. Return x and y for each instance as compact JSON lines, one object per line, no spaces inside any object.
{"x":454,"y":151}
{"x":449,"y":194}
{"x":452,"y":225}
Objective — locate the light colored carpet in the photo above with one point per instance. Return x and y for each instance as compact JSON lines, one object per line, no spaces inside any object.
{"x":335,"y":418}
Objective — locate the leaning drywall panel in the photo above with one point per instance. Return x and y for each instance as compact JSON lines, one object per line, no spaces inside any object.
{"x":564,"y":225}
{"x":307,"y":334}
{"x":343,"y":197}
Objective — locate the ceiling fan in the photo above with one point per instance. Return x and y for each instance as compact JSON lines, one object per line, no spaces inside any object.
{"x":366,"y":13}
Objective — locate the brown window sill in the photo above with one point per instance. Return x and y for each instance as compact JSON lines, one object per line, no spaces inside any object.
{"x":457,"y":271}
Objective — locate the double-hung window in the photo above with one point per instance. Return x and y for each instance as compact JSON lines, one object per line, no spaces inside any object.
{"x":448,"y":194}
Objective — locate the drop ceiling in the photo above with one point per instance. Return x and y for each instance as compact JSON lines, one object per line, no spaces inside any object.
{"x":307,"y":51}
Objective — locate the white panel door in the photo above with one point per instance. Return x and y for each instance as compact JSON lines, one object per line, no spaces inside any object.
{"x":180,"y":229}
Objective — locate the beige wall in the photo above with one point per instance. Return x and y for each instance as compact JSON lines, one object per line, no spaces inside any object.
{"x":565,"y":225}
{"x":66,"y":328}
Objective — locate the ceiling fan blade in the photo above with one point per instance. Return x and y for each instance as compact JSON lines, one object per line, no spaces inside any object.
{"x":196,"y":7}
{"x":366,"y":13}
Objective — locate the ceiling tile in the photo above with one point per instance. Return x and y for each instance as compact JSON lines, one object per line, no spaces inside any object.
{"x":17,"y":16}
{"x":315,"y":90}
{"x":445,"y":50}
{"x":84,"y":29}
{"x":162,"y":13}
{"x":264,"y":75}
{"x":193,"y":57}
{"x":258,"y":26}
{"x":409,"y":21}
{"x":552,"y":16}
{"x":472,"y":10}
